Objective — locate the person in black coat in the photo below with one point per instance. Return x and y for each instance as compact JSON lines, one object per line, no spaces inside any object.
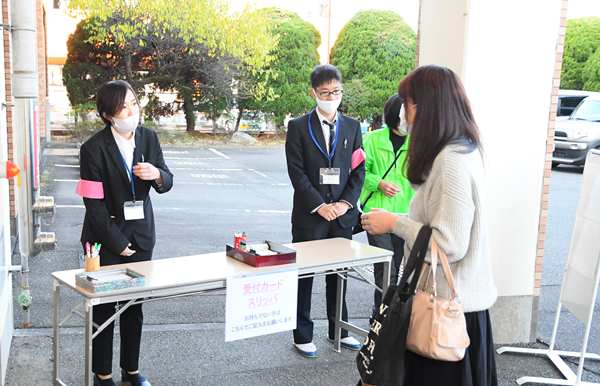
{"x":118,"y":166}
{"x":324,"y":162}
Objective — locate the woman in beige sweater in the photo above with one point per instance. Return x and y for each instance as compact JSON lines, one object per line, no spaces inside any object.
{"x":445,"y":165}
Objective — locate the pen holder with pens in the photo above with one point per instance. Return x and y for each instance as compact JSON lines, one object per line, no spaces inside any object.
{"x":91,"y":259}
{"x":91,"y":263}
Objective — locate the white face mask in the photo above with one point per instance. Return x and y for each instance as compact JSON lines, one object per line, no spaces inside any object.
{"x":329,"y":107}
{"x":126,"y":125}
{"x":403,"y":127}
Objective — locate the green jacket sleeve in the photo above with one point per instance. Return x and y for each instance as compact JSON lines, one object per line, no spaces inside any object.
{"x":372,"y":180}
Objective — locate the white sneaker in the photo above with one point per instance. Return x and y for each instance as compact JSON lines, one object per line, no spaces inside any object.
{"x":349,"y":342}
{"x":307,"y":350}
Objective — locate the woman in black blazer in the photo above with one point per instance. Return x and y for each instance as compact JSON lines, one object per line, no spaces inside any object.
{"x":118,"y":167}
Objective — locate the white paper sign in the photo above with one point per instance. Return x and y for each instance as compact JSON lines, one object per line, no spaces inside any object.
{"x":260,"y":304}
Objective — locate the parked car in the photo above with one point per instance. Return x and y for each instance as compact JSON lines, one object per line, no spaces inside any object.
{"x":576,"y":136}
{"x":252,"y":122}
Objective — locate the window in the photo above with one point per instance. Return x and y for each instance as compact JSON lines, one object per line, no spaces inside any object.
{"x":568,"y":103}
{"x":588,"y":110}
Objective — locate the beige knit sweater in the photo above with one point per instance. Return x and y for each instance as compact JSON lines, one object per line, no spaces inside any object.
{"x":452,"y":202}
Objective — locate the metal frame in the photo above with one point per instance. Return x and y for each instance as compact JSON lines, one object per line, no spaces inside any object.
{"x":132,"y":298}
{"x":555,"y":356}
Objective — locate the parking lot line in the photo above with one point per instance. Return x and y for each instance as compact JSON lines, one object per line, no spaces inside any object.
{"x":215,"y":151}
{"x":257,"y":172}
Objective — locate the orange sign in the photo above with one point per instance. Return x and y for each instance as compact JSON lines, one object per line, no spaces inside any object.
{"x":10,"y":170}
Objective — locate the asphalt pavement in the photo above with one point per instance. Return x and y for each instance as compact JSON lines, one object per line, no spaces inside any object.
{"x":219,"y":191}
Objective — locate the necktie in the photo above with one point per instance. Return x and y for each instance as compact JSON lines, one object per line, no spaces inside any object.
{"x":331,"y":134}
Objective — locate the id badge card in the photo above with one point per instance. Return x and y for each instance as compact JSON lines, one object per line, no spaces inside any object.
{"x":133,"y":210}
{"x":329,"y":176}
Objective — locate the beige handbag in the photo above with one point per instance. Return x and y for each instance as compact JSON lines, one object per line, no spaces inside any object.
{"x":437,"y":327}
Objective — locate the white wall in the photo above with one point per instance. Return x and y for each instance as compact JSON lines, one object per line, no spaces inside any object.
{"x":505,"y":51}
{"x":509,"y":72}
{"x":59,"y":24}
{"x":443,"y":33}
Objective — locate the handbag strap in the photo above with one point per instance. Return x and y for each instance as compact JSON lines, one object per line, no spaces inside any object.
{"x":438,"y":254}
{"x":415,"y":261}
{"x":384,"y":175}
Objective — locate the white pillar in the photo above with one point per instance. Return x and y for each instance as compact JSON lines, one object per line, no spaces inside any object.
{"x":505,"y":52}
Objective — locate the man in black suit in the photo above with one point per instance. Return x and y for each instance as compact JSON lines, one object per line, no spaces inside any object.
{"x":118,"y":167}
{"x":319,"y":149}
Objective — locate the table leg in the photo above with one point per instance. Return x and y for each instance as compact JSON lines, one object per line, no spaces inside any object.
{"x":387,"y":268}
{"x":338,"y":312}
{"x":89,"y":325}
{"x":56,"y":332}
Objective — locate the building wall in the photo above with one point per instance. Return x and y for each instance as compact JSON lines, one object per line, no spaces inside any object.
{"x":8,"y":137}
{"x":6,"y":312}
{"x":9,"y":99}
{"x":60,"y":24}
{"x":42,"y":60}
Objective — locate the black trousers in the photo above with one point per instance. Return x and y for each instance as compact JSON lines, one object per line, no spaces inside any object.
{"x":130,"y":324}
{"x":393,"y":243}
{"x":304,"y":328}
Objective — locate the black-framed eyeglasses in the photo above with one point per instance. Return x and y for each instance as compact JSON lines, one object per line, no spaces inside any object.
{"x":324,"y":94}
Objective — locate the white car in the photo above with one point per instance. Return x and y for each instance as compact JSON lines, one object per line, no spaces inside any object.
{"x":576,"y":136}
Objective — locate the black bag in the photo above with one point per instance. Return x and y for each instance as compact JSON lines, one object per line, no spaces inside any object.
{"x":380,"y":361}
{"x":358,"y":227}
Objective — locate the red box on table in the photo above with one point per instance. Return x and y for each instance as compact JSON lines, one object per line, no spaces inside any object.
{"x":284,"y":255}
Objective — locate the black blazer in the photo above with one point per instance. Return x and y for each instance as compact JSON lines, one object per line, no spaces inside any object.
{"x":304,"y":161}
{"x":100,"y":160}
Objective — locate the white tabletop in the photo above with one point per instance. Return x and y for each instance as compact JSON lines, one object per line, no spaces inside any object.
{"x":311,"y":256}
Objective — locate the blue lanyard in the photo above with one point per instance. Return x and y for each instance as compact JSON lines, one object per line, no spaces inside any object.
{"x":335,"y":140}
{"x":130,"y":174}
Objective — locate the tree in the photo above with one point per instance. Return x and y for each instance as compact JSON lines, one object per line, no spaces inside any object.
{"x":591,"y":72}
{"x":374,"y":51}
{"x":582,"y":40}
{"x":178,"y":42}
{"x":244,"y":35}
{"x":91,"y":62}
{"x":87,"y":66}
{"x":189,"y":69}
{"x":286,"y":79}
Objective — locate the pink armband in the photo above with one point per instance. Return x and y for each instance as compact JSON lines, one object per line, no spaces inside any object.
{"x":358,"y":157}
{"x":90,"y":189}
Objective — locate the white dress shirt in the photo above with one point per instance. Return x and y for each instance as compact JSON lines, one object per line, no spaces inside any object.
{"x":325,"y":128}
{"x":126,"y":148}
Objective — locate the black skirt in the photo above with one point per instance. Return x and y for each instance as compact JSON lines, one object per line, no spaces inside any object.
{"x":477,"y":368}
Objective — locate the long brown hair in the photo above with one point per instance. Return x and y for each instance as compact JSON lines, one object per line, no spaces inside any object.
{"x":443,"y":117}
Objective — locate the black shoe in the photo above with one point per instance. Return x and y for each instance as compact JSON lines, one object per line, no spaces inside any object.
{"x":103,"y":382}
{"x":133,"y":379}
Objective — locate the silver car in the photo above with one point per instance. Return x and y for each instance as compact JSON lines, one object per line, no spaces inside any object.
{"x":576,"y":136}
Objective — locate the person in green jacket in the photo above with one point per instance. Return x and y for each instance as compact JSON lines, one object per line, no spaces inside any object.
{"x":384,"y":147}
